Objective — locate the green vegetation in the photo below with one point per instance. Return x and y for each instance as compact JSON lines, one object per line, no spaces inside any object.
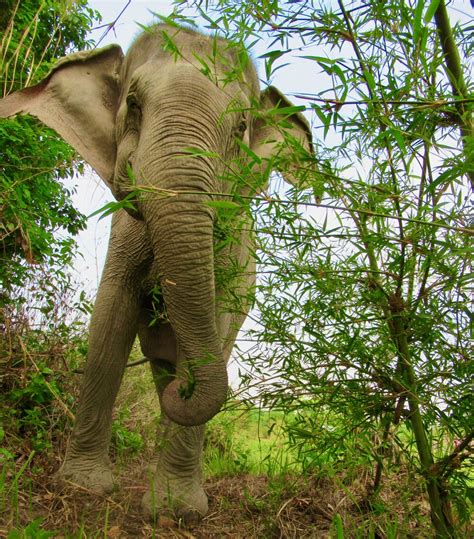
{"x":363,"y":314}
{"x":39,"y":317}
{"x":246,"y":441}
{"x":41,"y":320}
{"x":360,"y":359}
{"x":37,"y":216}
{"x":254,"y":478}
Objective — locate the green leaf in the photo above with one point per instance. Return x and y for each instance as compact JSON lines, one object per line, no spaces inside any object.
{"x":169,"y":20}
{"x":201,"y":153}
{"x":369,"y":79}
{"x":445,"y":176}
{"x":255,"y":158}
{"x":319,"y":187}
{"x":206,"y":69}
{"x":131,"y":174}
{"x":417,"y":19}
{"x":111,"y":207}
{"x":273,"y":55}
{"x":320,"y":59}
{"x":223,"y":204}
{"x":339,"y":72}
{"x":286,"y":111}
{"x":399,"y":138}
{"x":325,"y":116}
{"x":431,"y":10}
{"x":337,"y":522}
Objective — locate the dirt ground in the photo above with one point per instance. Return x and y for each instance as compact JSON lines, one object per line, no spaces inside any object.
{"x":244,"y":506}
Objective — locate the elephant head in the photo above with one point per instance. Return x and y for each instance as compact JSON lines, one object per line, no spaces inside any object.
{"x":134,"y":119}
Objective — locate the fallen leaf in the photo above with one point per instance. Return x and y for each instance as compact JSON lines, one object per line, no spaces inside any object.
{"x":166,"y":522}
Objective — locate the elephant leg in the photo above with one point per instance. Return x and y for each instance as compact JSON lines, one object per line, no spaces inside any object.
{"x":112,"y":332}
{"x":176,"y":476}
{"x":113,"y":327}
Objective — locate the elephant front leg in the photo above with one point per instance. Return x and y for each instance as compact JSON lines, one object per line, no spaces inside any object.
{"x":176,"y":482}
{"x":112,"y":332}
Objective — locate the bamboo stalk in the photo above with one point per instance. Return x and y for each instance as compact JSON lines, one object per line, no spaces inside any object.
{"x":455,"y":74}
{"x":440,"y":514}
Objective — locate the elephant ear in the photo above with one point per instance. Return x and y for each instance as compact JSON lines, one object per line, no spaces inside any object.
{"x":78,"y":99}
{"x":281,"y":137}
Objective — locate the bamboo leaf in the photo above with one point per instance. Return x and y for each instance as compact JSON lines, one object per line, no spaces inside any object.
{"x":286,"y":111}
{"x":430,"y":11}
{"x":254,"y":157}
{"x":198,"y":152}
{"x":223,"y":204}
{"x":417,"y":18}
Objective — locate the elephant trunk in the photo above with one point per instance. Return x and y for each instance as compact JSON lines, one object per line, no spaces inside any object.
{"x":181,"y":230}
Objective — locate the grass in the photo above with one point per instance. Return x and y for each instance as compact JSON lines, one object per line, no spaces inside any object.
{"x":245,"y":441}
{"x":254,"y":481}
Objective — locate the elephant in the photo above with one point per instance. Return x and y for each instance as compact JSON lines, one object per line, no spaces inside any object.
{"x":177,"y":128}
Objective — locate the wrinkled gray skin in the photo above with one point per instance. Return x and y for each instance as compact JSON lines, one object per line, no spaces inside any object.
{"x":143,"y":111}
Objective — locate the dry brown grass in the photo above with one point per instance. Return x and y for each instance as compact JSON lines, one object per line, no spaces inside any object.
{"x":240,"y":507}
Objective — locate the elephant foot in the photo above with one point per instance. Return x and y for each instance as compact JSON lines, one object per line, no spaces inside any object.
{"x":95,"y":476}
{"x":182,"y":499}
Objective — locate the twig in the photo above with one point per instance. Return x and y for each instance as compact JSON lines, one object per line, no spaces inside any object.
{"x":112,"y":24}
{"x":444,"y":466}
{"x":128,"y":365}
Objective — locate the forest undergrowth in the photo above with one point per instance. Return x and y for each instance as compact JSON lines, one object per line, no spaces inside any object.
{"x":256,"y":482}
{"x":253,"y":479}
{"x":259,"y":482}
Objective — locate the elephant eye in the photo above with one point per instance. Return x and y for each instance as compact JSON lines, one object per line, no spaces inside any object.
{"x":134,"y":113}
{"x":132,"y":104}
{"x":242,"y":127}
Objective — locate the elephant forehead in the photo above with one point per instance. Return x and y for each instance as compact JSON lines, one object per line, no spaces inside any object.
{"x":183,"y":44}
{"x":226,"y":64}
{"x":184,"y":83}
